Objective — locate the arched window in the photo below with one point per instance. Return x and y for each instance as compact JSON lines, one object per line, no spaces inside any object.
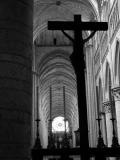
{"x":58,"y":125}
{"x":97,"y":96}
{"x":111,"y":97}
{"x":107,"y":81}
{"x":101,"y":113}
{"x":100,"y":96}
{"x":117,"y":59}
{"x":118,"y":70}
{"x":108,"y":90}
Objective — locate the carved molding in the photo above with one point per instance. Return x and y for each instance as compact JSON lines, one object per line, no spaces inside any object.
{"x":116,"y":92}
{"x":107,"y":107}
{"x":89,"y":46}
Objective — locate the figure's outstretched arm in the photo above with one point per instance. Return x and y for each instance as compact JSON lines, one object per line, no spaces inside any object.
{"x":69,"y":37}
{"x":90,"y":36}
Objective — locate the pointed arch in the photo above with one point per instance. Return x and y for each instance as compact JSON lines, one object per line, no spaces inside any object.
{"x":117,"y":61}
{"x":107,"y":81}
{"x":100,"y":108}
{"x":100,"y":95}
{"x":118,"y":69}
{"x":108,"y":89}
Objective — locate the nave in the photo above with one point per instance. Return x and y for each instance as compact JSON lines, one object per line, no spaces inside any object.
{"x":38,"y":82}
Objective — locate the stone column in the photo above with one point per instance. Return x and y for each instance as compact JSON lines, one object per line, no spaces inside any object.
{"x":90,"y":94}
{"x":15,"y":78}
{"x":108,"y":126}
{"x":116,"y":92}
{"x":34,"y":103}
{"x":73,"y":139}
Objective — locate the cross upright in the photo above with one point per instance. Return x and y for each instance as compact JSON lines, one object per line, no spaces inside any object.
{"x":77,"y":60}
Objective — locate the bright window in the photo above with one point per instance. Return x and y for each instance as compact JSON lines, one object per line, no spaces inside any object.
{"x":58,"y":125}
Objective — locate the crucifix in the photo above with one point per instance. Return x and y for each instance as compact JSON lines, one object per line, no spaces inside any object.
{"x":77,"y":60}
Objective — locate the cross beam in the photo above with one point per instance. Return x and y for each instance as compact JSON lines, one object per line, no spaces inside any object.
{"x":59,"y":25}
{"x":72,"y":25}
{"x":77,"y":60}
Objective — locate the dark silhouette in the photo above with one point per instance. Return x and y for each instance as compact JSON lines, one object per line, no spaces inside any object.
{"x":77,"y":60}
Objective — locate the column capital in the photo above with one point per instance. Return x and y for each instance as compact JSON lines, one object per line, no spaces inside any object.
{"x":107,"y":106}
{"x":87,"y":46}
{"x":116,"y":92}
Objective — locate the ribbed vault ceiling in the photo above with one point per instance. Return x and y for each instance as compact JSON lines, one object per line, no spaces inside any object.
{"x":57,"y":72}
{"x":54,"y":66}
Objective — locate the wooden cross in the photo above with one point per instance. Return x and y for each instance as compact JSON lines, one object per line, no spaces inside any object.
{"x":77,"y":60}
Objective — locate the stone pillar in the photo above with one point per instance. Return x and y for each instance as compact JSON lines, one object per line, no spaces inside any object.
{"x":73,"y":139}
{"x":34,"y":103}
{"x":90,"y":91}
{"x":108,"y":126}
{"x":15,"y":78}
{"x":116,"y":92}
